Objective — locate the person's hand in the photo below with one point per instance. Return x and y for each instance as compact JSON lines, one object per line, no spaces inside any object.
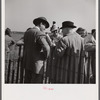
{"x":20,"y":42}
{"x":90,"y":47}
{"x":60,"y":51}
{"x":53,"y":44}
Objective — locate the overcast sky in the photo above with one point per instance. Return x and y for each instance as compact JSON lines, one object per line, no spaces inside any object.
{"x":19,"y":14}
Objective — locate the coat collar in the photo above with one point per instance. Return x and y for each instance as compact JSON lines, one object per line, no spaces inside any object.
{"x":37,"y":28}
{"x":70,"y":34}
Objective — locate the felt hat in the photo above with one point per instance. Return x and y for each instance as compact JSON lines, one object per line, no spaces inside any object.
{"x":41,"y":19}
{"x":68,"y":24}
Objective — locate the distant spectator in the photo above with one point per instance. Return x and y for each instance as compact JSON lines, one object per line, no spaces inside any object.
{"x":9,"y":49}
{"x":9,"y":41}
{"x":90,"y":48}
{"x":53,"y":24}
{"x":90,"y":42}
{"x":55,"y":34}
{"x":93,"y":32}
{"x":82,"y":32}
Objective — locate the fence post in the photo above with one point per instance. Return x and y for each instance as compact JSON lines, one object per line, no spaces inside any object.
{"x":21,"y":66}
{"x":18,"y":64}
{"x":8,"y":76}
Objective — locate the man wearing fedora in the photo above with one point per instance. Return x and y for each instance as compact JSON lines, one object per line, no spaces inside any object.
{"x":69,"y":49}
{"x":36,"y":51}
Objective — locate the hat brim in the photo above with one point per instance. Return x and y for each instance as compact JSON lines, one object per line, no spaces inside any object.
{"x":37,"y":20}
{"x":68,"y":27}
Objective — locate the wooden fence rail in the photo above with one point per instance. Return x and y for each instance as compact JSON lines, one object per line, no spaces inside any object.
{"x":57,"y":69}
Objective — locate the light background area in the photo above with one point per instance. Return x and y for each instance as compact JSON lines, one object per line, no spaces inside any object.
{"x":60,"y":92}
{"x":19,"y":16}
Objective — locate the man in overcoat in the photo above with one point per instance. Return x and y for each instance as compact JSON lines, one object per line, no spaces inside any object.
{"x":36,"y":51}
{"x":70,"y":51}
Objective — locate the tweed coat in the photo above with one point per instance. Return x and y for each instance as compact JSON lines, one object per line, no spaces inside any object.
{"x":36,"y":50}
{"x":69,"y":67}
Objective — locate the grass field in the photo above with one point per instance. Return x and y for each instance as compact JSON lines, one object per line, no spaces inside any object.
{"x":17,"y":35}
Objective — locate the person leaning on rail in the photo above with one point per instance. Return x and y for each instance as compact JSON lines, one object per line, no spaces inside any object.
{"x":36,"y":51}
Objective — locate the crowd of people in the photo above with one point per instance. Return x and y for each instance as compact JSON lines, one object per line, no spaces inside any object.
{"x":38,"y":43}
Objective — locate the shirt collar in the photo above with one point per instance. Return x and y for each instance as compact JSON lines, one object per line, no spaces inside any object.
{"x":37,"y":28}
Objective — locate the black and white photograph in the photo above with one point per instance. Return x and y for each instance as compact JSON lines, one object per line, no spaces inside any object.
{"x":50,"y":43}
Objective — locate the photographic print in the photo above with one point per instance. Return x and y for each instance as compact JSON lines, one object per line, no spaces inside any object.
{"x":52,"y":55}
{"x":49,"y":44}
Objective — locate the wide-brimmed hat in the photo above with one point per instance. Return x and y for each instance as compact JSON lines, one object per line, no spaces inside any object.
{"x":68,"y":24}
{"x":41,"y":19}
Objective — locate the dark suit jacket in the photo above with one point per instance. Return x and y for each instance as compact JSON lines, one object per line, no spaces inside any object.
{"x":36,"y":50}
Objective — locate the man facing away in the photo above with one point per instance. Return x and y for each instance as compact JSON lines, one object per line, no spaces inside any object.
{"x":36,"y":51}
{"x":70,"y":48}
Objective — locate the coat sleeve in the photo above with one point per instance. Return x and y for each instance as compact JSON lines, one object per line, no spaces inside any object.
{"x":41,"y":38}
{"x":60,"y":48}
{"x":90,"y":47}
